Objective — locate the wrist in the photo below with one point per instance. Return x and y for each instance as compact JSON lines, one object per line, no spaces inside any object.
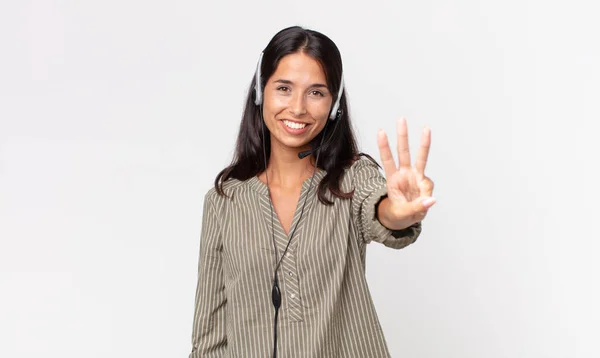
{"x":385,"y":214}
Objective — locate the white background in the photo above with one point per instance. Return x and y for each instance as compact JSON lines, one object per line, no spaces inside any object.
{"x":115,"y":117}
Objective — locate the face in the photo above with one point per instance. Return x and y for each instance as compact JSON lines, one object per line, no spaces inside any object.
{"x":296,"y":102}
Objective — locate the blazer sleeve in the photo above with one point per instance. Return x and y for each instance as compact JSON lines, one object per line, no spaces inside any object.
{"x":209,"y":333}
{"x":369,"y":189}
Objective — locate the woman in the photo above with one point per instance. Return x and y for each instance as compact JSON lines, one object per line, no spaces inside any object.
{"x":285,"y":229}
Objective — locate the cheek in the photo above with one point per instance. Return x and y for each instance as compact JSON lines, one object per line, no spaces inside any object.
{"x":320,"y":111}
{"x":274,"y":105}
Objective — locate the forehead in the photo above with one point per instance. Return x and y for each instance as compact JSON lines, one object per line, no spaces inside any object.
{"x":299,"y":68}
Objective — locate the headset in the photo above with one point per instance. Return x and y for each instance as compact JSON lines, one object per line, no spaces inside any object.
{"x":334,"y":115}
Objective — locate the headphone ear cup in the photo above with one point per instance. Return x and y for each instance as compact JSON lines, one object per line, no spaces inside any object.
{"x":257,"y":85}
{"x":257,"y":93}
{"x":257,"y":96}
{"x":338,"y":115}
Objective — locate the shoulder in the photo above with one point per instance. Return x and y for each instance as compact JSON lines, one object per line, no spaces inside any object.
{"x":231,"y":189}
{"x":364,"y":162}
{"x":363,"y":166}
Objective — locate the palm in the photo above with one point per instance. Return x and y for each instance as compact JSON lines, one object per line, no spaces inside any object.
{"x":403,"y":186}
{"x":409,"y":190}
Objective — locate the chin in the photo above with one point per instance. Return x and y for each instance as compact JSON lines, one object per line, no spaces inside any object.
{"x":296,"y":143}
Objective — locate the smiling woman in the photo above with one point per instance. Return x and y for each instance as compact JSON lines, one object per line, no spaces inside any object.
{"x":285,"y":229}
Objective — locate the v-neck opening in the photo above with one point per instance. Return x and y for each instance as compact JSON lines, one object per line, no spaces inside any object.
{"x":265,"y":204}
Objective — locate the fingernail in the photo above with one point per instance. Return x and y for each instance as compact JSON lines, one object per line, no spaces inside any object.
{"x":428,"y":202}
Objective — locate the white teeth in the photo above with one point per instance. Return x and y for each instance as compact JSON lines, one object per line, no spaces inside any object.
{"x":294,"y":125}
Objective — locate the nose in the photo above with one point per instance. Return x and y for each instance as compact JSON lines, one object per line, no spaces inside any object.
{"x":297,"y":105}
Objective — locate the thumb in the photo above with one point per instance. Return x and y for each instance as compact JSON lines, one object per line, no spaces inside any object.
{"x":423,"y":203}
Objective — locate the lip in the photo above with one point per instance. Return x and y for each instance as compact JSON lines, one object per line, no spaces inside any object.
{"x":291,"y":120}
{"x":293,"y":130}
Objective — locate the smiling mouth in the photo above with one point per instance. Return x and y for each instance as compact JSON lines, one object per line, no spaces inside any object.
{"x":294,"y":125}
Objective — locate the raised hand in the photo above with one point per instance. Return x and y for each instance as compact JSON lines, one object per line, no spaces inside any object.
{"x":409,"y":190}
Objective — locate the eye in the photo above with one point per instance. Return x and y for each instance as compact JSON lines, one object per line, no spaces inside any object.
{"x":317,"y":93}
{"x":283,"y":88}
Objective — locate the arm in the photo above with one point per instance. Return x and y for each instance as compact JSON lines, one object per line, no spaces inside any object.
{"x":209,"y":335}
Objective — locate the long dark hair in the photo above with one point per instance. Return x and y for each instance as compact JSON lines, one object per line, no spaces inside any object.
{"x":339,"y":150}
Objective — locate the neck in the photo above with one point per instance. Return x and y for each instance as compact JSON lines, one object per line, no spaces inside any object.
{"x":286,"y":170}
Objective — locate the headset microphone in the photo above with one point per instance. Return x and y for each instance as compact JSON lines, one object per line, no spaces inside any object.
{"x":306,"y":153}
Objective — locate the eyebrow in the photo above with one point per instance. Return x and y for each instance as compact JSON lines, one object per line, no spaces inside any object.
{"x":288,"y":82}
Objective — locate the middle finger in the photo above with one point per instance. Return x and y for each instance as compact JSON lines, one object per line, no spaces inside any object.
{"x":403,"y":151}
